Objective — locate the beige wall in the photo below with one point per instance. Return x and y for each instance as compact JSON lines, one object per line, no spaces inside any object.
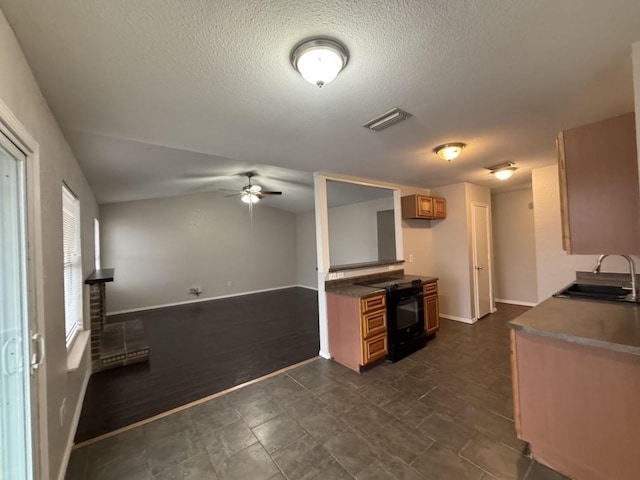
{"x":514,"y":247}
{"x":636,"y":91}
{"x":450,"y":254}
{"x":556,"y":269}
{"x":417,"y":238}
{"x":306,"y":256}
{"x":20,"y":92}
{"x":162,"y":247}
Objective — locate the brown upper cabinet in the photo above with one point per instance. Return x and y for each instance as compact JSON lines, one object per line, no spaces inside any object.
{"x":599,"y":192}
{"x":424,"y":206}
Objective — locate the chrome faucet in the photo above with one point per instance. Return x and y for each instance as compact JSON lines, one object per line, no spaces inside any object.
{"x":632,"y":271}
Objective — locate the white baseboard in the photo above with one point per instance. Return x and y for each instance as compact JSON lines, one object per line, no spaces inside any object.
{"x":308,"y":287}
{"x":74,"y":427}
{"x":326,"y":355}
{"x":197,"y":300}
{"x":470,"y":321}
{"x":516,"y":302}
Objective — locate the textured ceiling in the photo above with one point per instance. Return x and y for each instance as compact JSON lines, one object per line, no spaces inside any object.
{"x":156,"y":95}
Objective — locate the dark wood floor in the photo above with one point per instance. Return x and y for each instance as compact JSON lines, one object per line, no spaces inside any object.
{"x":200,"y":349}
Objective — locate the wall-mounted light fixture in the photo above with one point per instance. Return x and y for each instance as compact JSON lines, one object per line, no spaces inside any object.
{"x":502,"y":171}
{"x":319,"y":60}
{"x":449,"y":151}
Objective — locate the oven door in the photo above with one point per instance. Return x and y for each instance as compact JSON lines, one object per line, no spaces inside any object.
{"x":405,"y":313}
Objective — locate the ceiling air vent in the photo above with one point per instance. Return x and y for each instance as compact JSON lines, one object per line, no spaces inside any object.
{"x":387,"y":119}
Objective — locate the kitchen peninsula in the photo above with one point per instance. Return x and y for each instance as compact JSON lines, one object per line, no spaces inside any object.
{"x":576,"y":381}
{"x":380,"y":316}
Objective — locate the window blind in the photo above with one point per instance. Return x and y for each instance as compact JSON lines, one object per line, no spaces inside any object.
{"x":72,"y":264}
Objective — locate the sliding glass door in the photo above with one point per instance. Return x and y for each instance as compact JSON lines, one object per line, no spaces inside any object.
{"x":15,"y":389}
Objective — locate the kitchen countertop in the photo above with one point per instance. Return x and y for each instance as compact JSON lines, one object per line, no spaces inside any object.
{"x":100,"y":276}
{"x":353,"y":290}
{"x":611,"y":325}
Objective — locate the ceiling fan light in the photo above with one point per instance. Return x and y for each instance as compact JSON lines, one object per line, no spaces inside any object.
{"x":249,"y":197}
{"x":449,"y":151}
{"x":254,"y":189}
{"x":319,"y":60}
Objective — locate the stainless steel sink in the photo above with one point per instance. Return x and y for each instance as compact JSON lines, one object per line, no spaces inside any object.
{"x":610,"y":293}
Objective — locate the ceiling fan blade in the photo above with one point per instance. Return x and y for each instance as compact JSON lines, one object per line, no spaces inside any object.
{"x":234,"y":194}
{"x":226,"y":190}
{"x":269,"y":193}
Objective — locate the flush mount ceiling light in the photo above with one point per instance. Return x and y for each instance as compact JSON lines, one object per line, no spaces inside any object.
{"x":504,"y":171}
{"x":319,"y":60}
{"x":449,"y":151}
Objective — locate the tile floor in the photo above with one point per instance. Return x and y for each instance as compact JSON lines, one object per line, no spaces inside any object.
{"x":443,"y":413}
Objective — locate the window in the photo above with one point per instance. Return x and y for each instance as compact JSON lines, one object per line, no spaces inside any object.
{"x":72,"y":264}
{"x":96,"y":239}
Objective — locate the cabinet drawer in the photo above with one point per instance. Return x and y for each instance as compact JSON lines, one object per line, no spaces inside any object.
{"x":372,"y":303}
{"x":374,"y":348}
{"x":430,"y":289}
{"x":374,"y":323}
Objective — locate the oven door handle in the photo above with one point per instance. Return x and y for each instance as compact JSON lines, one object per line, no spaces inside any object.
{"x":410,"y":296}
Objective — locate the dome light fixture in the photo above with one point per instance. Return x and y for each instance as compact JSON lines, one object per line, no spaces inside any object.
{"x":319,"y":60}
{"x":504,"y":171}
{"x":449,"y":151}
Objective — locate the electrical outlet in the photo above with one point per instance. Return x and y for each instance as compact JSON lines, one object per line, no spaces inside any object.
{"x":331,"y":276}
{"x":340,"y":275}
{"x":411,"y":258}
{"x":229,"y":283}
{"x":63,"y":412}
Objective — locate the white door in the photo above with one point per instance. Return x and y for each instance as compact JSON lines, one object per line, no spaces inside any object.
{"x":481,"y":259}
{"x":16,"y":389}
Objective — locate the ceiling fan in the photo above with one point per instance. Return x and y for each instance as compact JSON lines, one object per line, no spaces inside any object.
{"x":252,"y":193}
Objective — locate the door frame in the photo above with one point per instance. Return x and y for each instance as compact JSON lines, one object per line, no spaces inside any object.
{"x":474,"y":257}
{"x":13,"y":129}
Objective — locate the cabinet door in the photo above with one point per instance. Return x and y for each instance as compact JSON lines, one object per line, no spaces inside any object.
{"x":514,"y":380}
{"x":431,"y":314}
{"x":425,"y":206}
{"x":600,"y":197}
{"x":439,"y":207}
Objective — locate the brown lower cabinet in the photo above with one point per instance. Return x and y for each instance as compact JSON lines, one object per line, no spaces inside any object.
{"x":577,"y":406}
{"x":431,"y":309}
{"x":357,"y":329}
